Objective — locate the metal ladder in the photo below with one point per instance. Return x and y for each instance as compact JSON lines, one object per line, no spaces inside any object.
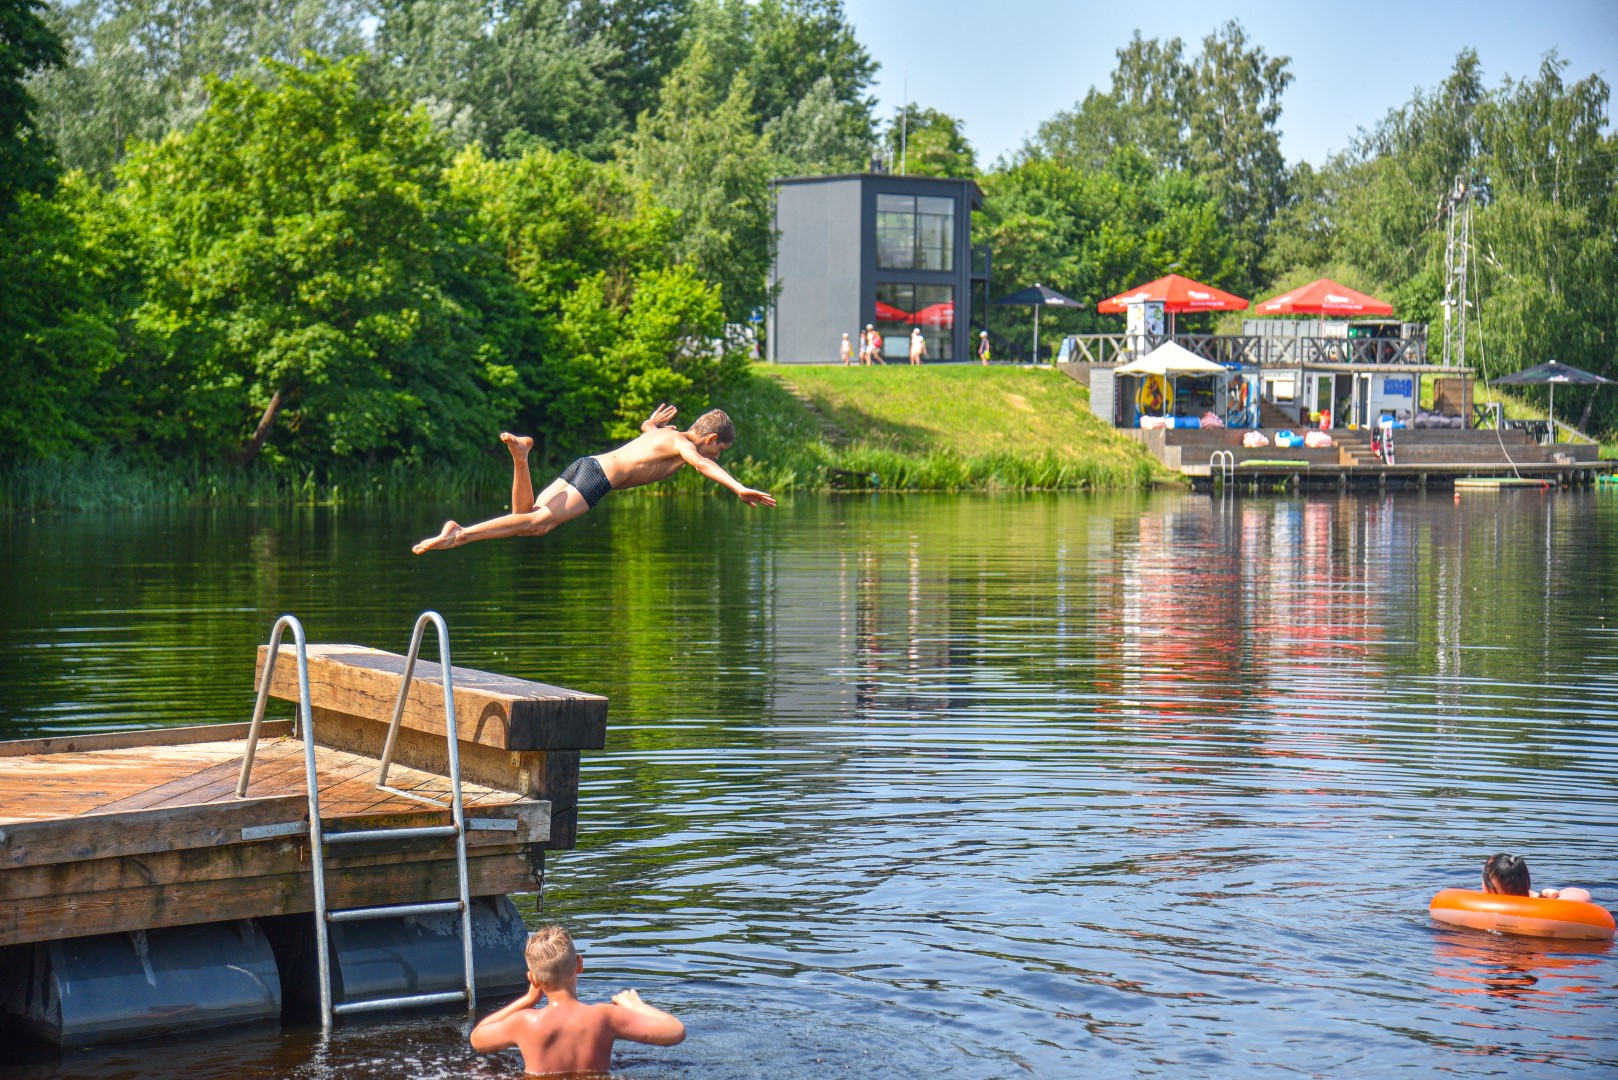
{"x":1225,"y":462}
{"x":319,"y":837}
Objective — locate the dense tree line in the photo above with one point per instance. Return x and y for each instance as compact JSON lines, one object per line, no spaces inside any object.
{"x":315,"y":231}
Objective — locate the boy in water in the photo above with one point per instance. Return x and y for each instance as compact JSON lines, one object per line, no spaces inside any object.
{"x":1508,"y":876}
{"x":568,"y":1036}
{"x":654,"y":455}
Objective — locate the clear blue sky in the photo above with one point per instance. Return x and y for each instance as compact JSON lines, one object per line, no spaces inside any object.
{"x":1041,"y":57}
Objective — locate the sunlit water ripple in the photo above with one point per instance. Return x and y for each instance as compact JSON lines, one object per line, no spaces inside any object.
{"x":962,"y":786}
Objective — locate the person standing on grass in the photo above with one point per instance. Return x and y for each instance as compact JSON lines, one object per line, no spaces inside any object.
{"x":983,"y":347}
{"x":918,"y":346}
{"x":847,"y":350}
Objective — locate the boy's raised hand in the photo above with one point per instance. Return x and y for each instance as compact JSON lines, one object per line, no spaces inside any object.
{"x":755,"y":498}
{"x":661,"y":416}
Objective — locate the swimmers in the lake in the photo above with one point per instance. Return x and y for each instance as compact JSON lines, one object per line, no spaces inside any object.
{"x":655,"y":454}
{"x":568,"y":1036}
{"x":1508,"y":876}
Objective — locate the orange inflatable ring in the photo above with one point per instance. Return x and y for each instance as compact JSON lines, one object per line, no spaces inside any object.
{"x":1527,"y":915}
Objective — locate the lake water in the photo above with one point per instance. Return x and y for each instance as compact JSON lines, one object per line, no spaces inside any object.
{"x":959,"y":786}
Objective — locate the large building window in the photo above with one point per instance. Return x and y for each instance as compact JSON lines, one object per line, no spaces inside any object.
{"x":901,"y":307}
{"x":915,"y":232}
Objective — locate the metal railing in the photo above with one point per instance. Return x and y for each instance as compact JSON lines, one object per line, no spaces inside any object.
{"x":1249,"y":349}
{"x":319,"y":836}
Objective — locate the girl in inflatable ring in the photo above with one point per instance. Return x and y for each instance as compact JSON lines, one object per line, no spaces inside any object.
{"x":1508,"y":876}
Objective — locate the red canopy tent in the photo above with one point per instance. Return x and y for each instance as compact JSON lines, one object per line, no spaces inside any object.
{"x":940,"y":315}
{"x":889,"y":313}
{"x":1324,"y":297}
{"x":1178,"y":294}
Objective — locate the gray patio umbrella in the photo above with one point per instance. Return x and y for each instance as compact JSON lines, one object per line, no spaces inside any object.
{"x":1037,"y":296}
{"x":1550,"y":374}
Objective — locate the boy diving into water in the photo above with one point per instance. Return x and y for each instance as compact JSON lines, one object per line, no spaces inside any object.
{"x":655,"y":454}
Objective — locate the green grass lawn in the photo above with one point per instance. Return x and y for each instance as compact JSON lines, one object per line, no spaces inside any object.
{"x":930,"y":428}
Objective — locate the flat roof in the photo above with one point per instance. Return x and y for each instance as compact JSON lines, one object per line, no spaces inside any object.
{"x":779,"y":180}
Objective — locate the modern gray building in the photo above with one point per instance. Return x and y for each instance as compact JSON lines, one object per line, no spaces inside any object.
{"x":862,"y":249}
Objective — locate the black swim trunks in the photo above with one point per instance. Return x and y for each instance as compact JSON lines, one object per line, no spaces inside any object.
{"x":588,"y":479}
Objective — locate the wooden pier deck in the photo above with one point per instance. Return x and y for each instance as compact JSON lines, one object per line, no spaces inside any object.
{"x":1422,"y":458}
{"x":138,"y":830}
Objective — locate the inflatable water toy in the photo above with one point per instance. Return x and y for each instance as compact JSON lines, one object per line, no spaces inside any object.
{"x":1531,"y":916}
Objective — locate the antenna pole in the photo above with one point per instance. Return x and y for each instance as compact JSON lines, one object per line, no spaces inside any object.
{"x":904,"y":127}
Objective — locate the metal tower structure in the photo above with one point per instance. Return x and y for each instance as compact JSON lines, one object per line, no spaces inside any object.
{"x":1457,"y":255}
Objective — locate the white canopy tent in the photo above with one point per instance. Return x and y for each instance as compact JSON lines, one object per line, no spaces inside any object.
{"x":1169,"y":361}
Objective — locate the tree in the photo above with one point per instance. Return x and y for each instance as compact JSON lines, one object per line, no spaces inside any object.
{"x":27,"y":46}
{"x":646,"y":39}
{"x":611,"y":326}
{"x":139,"y":68}
{"x":1092,"y":234}
{"x":310,"y":280}
{"x":782,"y":48}
{"x":927,"y":142}
{"x":516,"y":73}
{"x":1215,"y":115}
{"x":820,"y":134}
{"x":700,"y":157}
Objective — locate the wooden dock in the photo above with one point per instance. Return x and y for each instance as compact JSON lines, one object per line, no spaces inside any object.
{"x":1422,"y":459}
{"x":129,"y":832}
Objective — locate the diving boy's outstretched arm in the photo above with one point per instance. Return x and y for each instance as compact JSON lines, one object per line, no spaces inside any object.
{"x":712,"y":471}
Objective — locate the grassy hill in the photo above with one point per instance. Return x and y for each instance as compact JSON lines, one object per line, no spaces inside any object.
{"x":927,"y":429}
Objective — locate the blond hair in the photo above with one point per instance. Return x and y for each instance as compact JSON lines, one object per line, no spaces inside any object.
{"x":551,"y":956}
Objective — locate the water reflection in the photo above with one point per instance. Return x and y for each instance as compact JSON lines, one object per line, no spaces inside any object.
{"x":992,"y":785}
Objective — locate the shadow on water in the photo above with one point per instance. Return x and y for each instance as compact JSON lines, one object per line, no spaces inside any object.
{"x":965,"y":786}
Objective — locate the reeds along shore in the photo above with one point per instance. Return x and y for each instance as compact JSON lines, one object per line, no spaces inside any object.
{"x":933,"y":429}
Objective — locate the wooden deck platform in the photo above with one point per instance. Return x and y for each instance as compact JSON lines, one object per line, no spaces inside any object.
{"x":143,"y":829}
{"x":1422,"y":458}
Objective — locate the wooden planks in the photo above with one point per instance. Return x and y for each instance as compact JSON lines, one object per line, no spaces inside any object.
{"x":119,"y":740}
{"x":491,"y":710}
{"x":105,"y":836}
{"x":181,"y":903}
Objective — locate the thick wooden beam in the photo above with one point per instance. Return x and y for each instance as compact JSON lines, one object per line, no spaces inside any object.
{"x":491,"y":710}
{"x":137,"y":832}
{"x":549,"y":775}
{"x":184,"y":903}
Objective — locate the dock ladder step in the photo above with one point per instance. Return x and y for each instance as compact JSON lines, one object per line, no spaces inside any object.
{"x":320,"y":835}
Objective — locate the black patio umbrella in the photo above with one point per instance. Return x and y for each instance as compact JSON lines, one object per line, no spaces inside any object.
{"x":1037,"y":296}
{"x":1551,"y":374}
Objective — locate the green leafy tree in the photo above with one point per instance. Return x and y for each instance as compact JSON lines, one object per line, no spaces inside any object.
{"x":927,"y":142}
{"x":139,"y":68}
{"x":646,"y":37}
{"x":502,"y":73}
{"x":28,"y":45}
{"x":701,"y":158}
{"x":1215,"y":115}
{"x":820,"y":134}
{"x":610,"y":327}
{"x":309,"y":276}
{"x":1093,"y":234}
{"x":782,"y":48}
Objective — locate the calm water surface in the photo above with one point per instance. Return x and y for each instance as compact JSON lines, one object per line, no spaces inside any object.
{"x":965,"y":787}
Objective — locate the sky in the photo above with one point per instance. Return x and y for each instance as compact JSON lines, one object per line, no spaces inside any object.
{"x":1006,"y":67}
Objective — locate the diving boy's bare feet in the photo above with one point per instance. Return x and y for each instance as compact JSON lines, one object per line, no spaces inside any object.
{"x":519,"y":445}
{"x":449,"y":536}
